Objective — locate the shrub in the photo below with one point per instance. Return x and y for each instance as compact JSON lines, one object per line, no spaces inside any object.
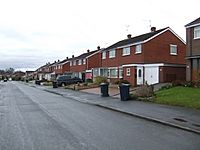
{"x":122,"y":81}
{"x":89,"y":81}
{"x":100,"y":79}
{"x":145,"y":91}
{"x":132,"y":97}
{"x":166,"y":87}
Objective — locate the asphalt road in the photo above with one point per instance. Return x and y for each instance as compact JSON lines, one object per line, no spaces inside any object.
{"x":32,"y":119}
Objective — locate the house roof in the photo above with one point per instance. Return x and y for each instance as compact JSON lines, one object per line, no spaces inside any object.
{"x":84,"y":55}
{"x":136,"y":39}
{"x":193,"y":23}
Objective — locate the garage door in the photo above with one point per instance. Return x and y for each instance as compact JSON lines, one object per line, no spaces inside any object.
{"x":152,"y":75}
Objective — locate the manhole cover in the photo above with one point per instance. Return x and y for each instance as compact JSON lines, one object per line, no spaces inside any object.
{"x":196,"y":125}
{"x":179,"y":119}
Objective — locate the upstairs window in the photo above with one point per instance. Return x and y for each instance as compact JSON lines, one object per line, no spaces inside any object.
{"x":84,"y":61}
{"x":112,"y":53}
{"x":80,"y":62}
{"x":173,"y":49}
{"x":197,"y":32}
{"x":126,"y":51}
{"x":104,"y":55}
{"x":138,"y":49}
{"x":74,"y":63}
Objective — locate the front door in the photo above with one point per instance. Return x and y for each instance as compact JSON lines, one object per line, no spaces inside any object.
{"x":140,"y":75}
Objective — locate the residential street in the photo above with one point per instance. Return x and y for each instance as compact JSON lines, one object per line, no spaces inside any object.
{"x":32,"y":119}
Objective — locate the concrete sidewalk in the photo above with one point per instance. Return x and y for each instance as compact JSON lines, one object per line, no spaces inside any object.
{"x":179,"y":117}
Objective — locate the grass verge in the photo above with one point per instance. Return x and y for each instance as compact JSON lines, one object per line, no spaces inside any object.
{"x":179,"y":96}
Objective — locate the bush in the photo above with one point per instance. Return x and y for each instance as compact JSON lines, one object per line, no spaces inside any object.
{"x":100,"y":79}
{"x":145,"y":91}
{"x":132,"y":97}
{"x":89,"y":81}
{"x":122,"y":81}
{"x":166,"y":87}
{"x":178,"y":83}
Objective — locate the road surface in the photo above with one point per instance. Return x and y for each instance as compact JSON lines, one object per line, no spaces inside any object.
{"x":32,"y":119}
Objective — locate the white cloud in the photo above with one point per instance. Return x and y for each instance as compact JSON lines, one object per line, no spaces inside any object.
{"x":47,"y":30}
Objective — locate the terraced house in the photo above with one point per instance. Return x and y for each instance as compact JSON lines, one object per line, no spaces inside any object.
{"x":193,"y":50}
{"x":154,"y":57}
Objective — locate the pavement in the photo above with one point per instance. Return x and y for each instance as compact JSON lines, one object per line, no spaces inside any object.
{"x":178,"y":117}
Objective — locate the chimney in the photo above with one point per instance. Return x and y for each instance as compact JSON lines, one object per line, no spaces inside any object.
{"x":54,"y":61}
{"x":153,"y":29}
{"x":58,"y":60}
{"x":67,"y":58}
{"x":98,"y":47}
{"x":88,"y":50}
{"x":129,"y":36}
{"x":72,"y":56}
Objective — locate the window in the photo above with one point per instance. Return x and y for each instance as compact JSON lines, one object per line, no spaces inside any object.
{"x":139,"y":73}
{"x":128,"y":71}
{"x":138,"y":49}
{"x":80,"y":62}
{"x":126,"y":51}
{"x":173,"y":49}
{"x":104,"y":55}
{"x":84,"y":61}
{"x":113,"y":73}
{"x":112,"y":53}
{"x":196,"y":32}
{"x":74,"y":63}
{"x":120,"y":72}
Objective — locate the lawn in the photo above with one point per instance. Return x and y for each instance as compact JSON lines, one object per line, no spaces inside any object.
{"x":179,"y":96}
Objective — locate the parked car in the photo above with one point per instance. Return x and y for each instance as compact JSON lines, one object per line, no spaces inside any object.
{"x":66,"y":80}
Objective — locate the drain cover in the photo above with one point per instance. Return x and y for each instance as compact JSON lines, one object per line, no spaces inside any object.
{"x":179,"y":119}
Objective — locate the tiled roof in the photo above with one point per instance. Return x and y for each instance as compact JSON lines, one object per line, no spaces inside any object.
{"x":136,"y":39}
{"x":196,"y":21}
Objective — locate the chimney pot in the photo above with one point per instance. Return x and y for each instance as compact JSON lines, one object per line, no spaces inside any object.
{"x":129,"y":36}
{"x":67,"y":58}
{"x":98,"y":47}
{"x":88,"y":50}
{"x":72,"y":56}
{"x":153,"y":29}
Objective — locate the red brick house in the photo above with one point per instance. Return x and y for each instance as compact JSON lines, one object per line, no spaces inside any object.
{"x":62,"y":67}
{"x":157,"y":56}
{"x":82,"y":65}
{"x":193,"y":50}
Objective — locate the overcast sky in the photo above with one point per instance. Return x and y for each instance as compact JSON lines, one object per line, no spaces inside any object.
{"x":33,"y":32}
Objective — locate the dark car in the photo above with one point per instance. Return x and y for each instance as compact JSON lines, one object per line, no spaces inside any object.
{"x":66,"y":80}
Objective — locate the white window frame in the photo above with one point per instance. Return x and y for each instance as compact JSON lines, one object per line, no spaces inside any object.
{"x":80,"y":62}
{"x":104,"y":55}
{"x":74,"y":63}
{"x":70,"y":63}
{"x":84,"y":61}
{"x":172,"y":48}
{"x":112,"y":53}
{"x":197,"y":32}
{"x":138,"y":49}
{"x":126,"y":51}
{"x":128,"y":71}
{"x":110,"y":75}
{"x":120,"y":72}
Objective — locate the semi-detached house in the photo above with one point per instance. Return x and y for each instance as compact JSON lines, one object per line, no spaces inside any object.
{"x":193,"y":50}
{"x":154,"y":57}
{"x":82,"y":65}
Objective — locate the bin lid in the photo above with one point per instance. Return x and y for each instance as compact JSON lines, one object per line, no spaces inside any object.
{"x":123,"y":84}
{"x":104,"y":84}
